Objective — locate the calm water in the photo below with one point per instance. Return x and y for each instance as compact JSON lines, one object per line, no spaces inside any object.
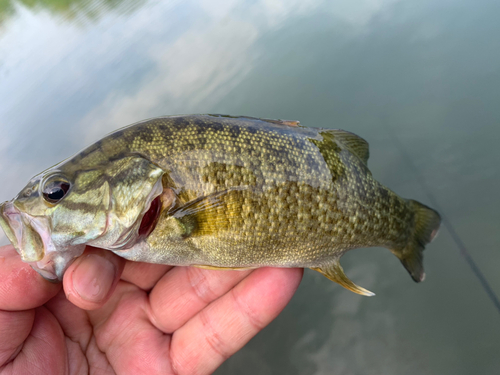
{"x":420,"y":80}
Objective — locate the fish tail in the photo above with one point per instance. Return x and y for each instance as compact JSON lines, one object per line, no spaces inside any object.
{"x":427,"y":223}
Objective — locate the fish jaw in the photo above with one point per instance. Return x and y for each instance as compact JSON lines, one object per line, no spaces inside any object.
{"x":53,"y":266}
{"x":25,"y":239}
{"x":31,"y":237}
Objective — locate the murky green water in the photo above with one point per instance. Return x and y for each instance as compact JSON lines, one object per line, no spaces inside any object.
{"x":415,"y":78}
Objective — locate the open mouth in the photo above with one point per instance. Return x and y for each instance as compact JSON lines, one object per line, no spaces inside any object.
{"x":21,"y":234}
{"x":25,"y":233}
{"x":4,"y":223}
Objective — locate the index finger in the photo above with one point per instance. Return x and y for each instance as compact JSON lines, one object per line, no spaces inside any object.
{"x":21,"y":288}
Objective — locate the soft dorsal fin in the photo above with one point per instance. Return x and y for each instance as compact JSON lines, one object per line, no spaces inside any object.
{"x":357,"y":145}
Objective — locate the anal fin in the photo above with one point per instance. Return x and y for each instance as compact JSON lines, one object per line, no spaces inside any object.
{"x":335,"y":272}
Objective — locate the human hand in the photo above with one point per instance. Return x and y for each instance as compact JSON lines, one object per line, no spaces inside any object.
{"x":115,"y":316}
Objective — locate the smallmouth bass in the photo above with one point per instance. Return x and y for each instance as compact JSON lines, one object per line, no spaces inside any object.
{"x":217,"y":192}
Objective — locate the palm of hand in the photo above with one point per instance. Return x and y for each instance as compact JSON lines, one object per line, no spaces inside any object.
{"x":158,"y":319}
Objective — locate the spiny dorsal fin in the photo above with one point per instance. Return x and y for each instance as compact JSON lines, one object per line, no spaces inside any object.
{"x":292,"y":123}
{"x":335,"y":272}
{"x":354,"y":143}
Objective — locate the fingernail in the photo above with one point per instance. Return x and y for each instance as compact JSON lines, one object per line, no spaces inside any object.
{"x":93,"y":277}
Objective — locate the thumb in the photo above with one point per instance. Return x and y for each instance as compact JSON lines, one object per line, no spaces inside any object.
{"x":91,"y":279}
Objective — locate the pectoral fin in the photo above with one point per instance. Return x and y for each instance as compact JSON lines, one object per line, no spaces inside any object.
{"x":204,"y":216}
{"x":334,"y":272}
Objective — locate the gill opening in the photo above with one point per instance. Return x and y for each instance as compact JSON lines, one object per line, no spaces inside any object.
{"x":150,"y":218}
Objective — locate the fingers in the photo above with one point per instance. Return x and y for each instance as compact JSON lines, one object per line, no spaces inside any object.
{"x":43,"y":350}
{"x":14,"y":328}
{"x":123,"y":331}
{"x":21,"y":287}
{"x":91,"y":279}
{"x":224,"y":326}
{"x":184,"y":291}
{"x":144,"y":275}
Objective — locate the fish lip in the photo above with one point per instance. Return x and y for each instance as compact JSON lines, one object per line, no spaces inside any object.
{"x":15,"y":225}
{"x":24,"y":231}
{"x":9,"y":214}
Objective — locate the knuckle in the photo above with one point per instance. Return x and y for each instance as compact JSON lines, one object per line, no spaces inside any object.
{"x":201,"y":285}
{"x":213,"y":337}
{"x":250,"y":315}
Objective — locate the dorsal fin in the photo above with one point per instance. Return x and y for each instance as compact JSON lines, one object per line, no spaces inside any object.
{"x":357,"y":145}
{"x":292,"y":123}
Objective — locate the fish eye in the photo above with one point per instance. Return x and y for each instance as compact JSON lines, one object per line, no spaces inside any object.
{"x":55,"y":190}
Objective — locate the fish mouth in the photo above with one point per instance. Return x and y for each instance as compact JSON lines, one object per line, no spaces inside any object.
{"x":30,"y":236}
{"x":4,"y":223}
{"x":21,"y":234}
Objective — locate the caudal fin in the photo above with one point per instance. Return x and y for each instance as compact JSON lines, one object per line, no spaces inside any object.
{"x":427,"y":223}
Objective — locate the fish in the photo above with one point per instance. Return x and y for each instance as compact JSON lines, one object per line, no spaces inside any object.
{"x":217,"y":192}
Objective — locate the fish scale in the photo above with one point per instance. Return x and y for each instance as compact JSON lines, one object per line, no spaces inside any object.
{"x":224,"y":192}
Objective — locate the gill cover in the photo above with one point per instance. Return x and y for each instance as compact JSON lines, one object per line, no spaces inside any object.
{"x":134,"y":182}
{"x":104,"y":208}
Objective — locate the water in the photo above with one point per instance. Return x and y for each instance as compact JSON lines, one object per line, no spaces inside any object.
{"x":419,"y":80}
